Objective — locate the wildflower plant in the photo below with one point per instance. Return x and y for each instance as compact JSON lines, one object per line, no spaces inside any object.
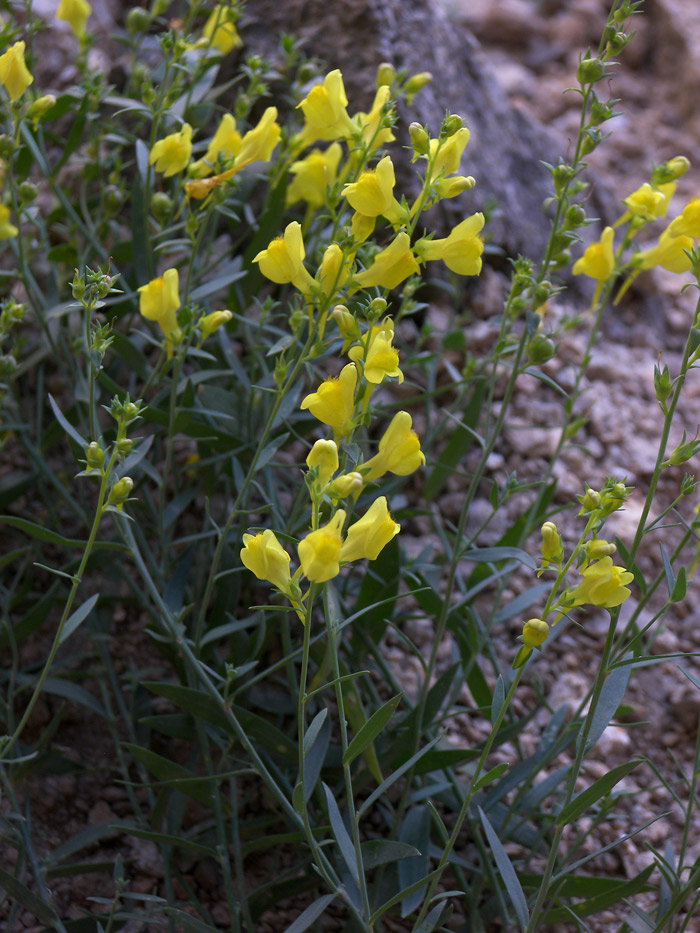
{"x":244,"y":425}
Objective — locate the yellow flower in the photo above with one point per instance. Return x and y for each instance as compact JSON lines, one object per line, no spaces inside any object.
{"x":14,"y":74}
{"x":7,"y":230}
{"x":325,"y":111}
{"x":345,"y":485}
{"x":282,"y":261}
{"x":211,"y":322}
{"x":535,"y":632}
{"x":461,"y":250}
{"x":647,"y":203}
{"x":334,"y":270}
{"x":324,"y":456}
{"x":258,"y":144}
{"x":391,"y":266}
{"x":449,"y":157}
{"x":603,"y":585}
{"x":399,"y":450}
{"x":172,"y":153}
{"x":688,"y":222}
{"x":380,"y":358}
{"x":75,"y":13}
{"x":455,"y":185}
{"x":264,"y":556}
{"x":220,"y":29}
{"x":599,"y":547}
{"x":314,"y":175}
{"x":333,"y":403}
{"x":159,"y":301}
{"x":551,"y":548}
{"x":373,"y":193}
{"x":598,"y":261}
{"x":226,"y":142}
{"x":367,"y":536}
{"x":319,"y":551}
{"x":671,"y":253}
{"x":372,"y":136}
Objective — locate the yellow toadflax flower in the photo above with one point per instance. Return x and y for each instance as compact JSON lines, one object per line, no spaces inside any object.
{"x":226,"y":142}
{"x":314,"y":175}
{"x":159,"y":301}
{"x":460,"y":251}
{"x":7,"y":229}
{"x":603,"y":585}
{"x":399,"y":450}
{"x":647,"y":203}
{"x":256,"y":145}
{"x":367,"y":536}
{"x":324,"y":456}
{"x":551,"y":547}
{"x":688,"y":222}
{"x":325,"y":112}
{"x":213,"y":321}
{"x":333,"y":403}
{"x":448,"y":159}
{"x":334,"y":270}
{"x":75,"y":13}
{"x":282,"y":261}
{"x":373,"y":193}
{"x":372,"y":136}
{"x":220,"y":29}
{"x":380,"y":358}
{"x":391,"y":266}
{"x":319,"y":551}
{"x":671,"y":253}
{"x":597,"y":262}
{"x":172,"y":153}
{"x":14,"y":74}
{"x":264,"y":556}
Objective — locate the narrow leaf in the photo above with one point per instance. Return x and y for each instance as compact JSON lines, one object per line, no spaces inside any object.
{"x":371,"y":729}
{"x":77,"y":617}
{"x":610,"y":698}
{"x":380,"y":851}
{"x":595,"y":792}
{"x":342,"y":837}
{"x":66,"y":425}
{"x":312,"y":912}
{"x":507,"y":872}
{"x":14,"y":887}
{"x":498,"y":699}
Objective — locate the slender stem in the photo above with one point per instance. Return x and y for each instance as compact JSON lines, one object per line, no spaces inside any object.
{"x":75,"y":585}
{"x":461,"y":816}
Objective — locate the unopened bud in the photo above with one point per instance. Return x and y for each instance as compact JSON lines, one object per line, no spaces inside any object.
{"x":161,"y":206}
{"x":417,"y":81}
{"x":347,"y":325}
{"x":419,"y":138}
{"x":40,"y":106}
{"x":535,"y":632}
{"x":451,"y":125}
{"x":94,"y":457}
{"x":598,"y":548}
{"x":211,"y":322}
{"x":590,"y":70}
{"x":345,"y":485}
{"x":386,"y":74}
{"x":119,"y":493}
{"x":137,"y":20}
{"x":590,"y":500}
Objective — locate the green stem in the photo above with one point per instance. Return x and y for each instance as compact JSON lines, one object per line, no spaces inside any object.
{"x":77,"y":580}
{"x":461,"y":816}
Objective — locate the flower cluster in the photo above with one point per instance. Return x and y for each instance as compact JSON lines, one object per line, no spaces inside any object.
{"x":643,"y":206}
{"x":602,"y":582}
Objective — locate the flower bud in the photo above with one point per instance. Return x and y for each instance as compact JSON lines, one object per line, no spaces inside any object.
{"x":419,"y":139}
{"x":27,"y":192}
{"x":450,"y":125}
{"x":345,"y":485}
{"x":161,"y":206}
{"x":678,"y":166}
{"x":590,"y":500}
{"x":597,"y":548}
{"x":540,"y":349}
{"x":8,"y":364}
{"x":94,"y":457}
{"x":324,"y":457}
{"x":123,"y":447}
{"x":590,"y":70}
{"x":119,"y":493}
{"x":347,"y":325}
{"x":137,"y":20}
{"x":386,"y":74}
{"x":211,"y":322}
{"x":535,"y":632}
{"x":416,"y":82}
{"x":40,"y":106}
{"x":7,"y":146}
{"x":378,"y":307}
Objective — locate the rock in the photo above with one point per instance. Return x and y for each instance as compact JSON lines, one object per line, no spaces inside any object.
{"x":506,"y":147}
